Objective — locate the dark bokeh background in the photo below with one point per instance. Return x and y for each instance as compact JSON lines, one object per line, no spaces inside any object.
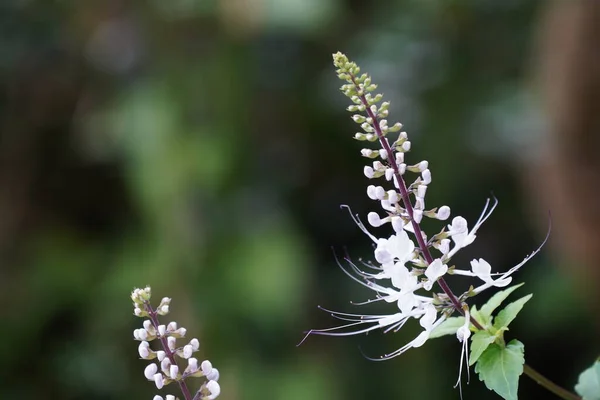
{"x":202,"y":147}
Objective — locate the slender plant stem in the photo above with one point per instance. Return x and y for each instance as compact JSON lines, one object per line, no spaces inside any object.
{"x":401,"y":186}
{"x":548,"y":384}
{"x":170,"y":354}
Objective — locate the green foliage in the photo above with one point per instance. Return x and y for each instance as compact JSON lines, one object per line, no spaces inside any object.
{"x":588,"y":385}
{"x":479,"y":343}
{"x":497,"y":364}
{"x":484,"y":317}
{"x":506,"y":316}
{"x":500,"y":367}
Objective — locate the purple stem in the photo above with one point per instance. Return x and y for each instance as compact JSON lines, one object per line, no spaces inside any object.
{"x":401,"y":185}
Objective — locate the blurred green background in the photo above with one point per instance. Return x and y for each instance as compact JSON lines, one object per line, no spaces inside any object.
{"x":202,"y":147}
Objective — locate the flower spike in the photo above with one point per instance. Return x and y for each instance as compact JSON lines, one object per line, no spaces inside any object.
{"x":403,"y":272}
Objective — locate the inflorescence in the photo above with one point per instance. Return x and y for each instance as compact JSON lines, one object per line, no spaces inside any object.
{"x":166,"y":369}
{"x":405,"y":273}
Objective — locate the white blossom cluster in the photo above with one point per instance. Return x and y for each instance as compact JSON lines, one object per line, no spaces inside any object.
{"x":405,"y":273}
{"x":165,"y":369}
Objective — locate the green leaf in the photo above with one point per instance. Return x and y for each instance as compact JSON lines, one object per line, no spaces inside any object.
{"x":500,"y":368}
{"x":448,"y":327}
{"x":479,"y":343}
{"x":476,"y":314}
{"x":509,"y":313}
{"x":488,"y":308}
{"x":588,"y":386}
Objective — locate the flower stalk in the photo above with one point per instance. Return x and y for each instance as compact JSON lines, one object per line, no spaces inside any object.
{"x":401,"y":186}
{"x":153,"y":315}
{"x":167,"y":369}
{"x":402,"y":263}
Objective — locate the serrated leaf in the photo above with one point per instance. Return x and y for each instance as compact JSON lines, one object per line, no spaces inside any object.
{"x":506,"y":316}
{"x":494,"y":302}
{"x":448,"y":327}
{"x":479,"y":343}
{"x":588,"y":386}
{"x":500,"y":368}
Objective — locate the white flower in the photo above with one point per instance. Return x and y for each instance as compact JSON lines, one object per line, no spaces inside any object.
{"x":397,"y":247}
{"x":150,"y":370}
{"x":443,"y":246}
{"x":428,"y":322}
{"x":187,"y":351}
{"x":173,"y":371}
{"x":426,"y":175}
{"x":213,"y":375}
{"x":172,"y":343}
{"x":140,"y":334}
{"x":164,"y":310}
{"x":214,"y":389}
{"x":375,"y":220}
{"x":459,"y":232}
{"x":159,"y":380}
{"x":443,"y":213}
{"x":165,"y":364}
{"x":192,"y":365}
{"x":165,"y":301}
{"x":206,"y":367}
{"x":483,"y":270}
{"x":462,"y":334}
{"x":144,"y":349}
{"x":162,"y":330}
{"x":434,"y":271}
{"x":195,"y":344}
{"x":148,"y":325}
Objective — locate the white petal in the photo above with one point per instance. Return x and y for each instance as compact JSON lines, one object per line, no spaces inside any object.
{"x":150,"y":370}
{"x":206,"y":367}
{"x":161,"y":330}
{"x":428,"y":319}
{"x":214,"y":375}
{"x":482,"y":269}
{"x":173,"y":371}
{"x":214,"y":389}
{"x":158,"y":380}
{"x":187,"y":351}
{"x":374,"y":219}
{"x":390,"y":319}
{"x":443,"y":213}
{"x":144,"y":349}
{"x":434,"y":271}
{"x":193,"y":364}
{"x":420,"y":340}
{"x":172,"y":342}
{"x":382,"y":255}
